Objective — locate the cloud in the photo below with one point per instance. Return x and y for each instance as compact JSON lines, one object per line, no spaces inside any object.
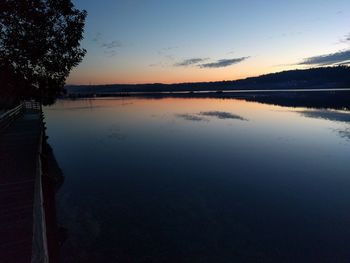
{"x":346,"y":39}
{"x":223,"y":63}
{"x":97,"y":37}
{"x":110,"y":48}
{"x":110,"y":53}
{"x":112,"y":45}
{"x":339,"y":57}
{"x":166,"y":50}
{"x":162,"y":64}
{"x":169,"y":57}
{"x":189,"y":62}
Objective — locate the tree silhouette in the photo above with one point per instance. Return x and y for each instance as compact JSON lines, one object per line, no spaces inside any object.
{"x":39,"y":46}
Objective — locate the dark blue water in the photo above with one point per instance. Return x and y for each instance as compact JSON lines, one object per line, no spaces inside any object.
{"x":201,"y":180}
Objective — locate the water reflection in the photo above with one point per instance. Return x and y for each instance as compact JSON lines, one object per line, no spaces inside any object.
{"x":218,"y":114}
{"x":271,"y":189}
{"x":333,"y":115}
{"x":315,"y":99}
{"x":345,"y":133}
{"x":52,"y":181}
{"x":191,"y":117}
{"x":222,"y":115}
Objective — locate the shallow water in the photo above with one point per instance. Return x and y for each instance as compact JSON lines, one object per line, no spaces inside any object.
{"x":201,"y":180}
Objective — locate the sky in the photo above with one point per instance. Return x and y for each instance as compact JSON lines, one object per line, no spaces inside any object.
{"x":161,"y":41}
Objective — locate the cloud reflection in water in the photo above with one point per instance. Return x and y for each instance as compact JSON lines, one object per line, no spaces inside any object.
{"x":222,"y":115}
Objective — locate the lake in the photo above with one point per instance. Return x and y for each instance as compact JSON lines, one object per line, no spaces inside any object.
{"x":201,"y":180}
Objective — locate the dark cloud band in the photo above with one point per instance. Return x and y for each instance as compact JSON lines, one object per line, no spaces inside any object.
{"x":223,"y":63}
{"x":189,"y":62}
{"x":340,"y":57}
{"x":111,"y":45}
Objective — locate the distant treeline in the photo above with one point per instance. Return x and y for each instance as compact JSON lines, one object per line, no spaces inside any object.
{"x":324,"y":77}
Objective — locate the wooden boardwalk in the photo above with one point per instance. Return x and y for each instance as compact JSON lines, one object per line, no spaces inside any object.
{"x":19,"y":152}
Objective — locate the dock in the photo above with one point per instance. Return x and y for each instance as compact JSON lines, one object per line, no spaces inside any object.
{"x":22,"y":218}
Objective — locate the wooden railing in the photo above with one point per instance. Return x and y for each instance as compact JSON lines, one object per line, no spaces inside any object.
{"x":31,"y":105}
{"x":40,"y":253}
{"x":9,"y":116}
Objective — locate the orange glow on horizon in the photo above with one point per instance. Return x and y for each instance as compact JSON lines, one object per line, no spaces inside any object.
{"x":168,"y":76}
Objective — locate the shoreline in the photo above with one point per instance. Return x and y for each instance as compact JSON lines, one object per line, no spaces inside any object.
{"x":324,"y":98}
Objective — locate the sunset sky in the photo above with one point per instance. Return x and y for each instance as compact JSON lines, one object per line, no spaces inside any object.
{"x":139,"y":41}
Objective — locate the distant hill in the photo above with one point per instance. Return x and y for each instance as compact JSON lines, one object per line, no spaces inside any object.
{"x":315,"y":78}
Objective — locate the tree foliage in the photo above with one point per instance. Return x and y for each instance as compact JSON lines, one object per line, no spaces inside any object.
{"x":39,"y":45}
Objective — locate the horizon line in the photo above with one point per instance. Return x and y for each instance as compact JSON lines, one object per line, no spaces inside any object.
{"x":195,"y":82}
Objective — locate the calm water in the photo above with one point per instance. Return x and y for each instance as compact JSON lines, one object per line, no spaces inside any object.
{"x":201,"y":180}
